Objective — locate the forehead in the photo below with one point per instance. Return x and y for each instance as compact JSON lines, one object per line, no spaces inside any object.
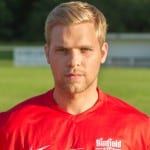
{"x":78,"y":33}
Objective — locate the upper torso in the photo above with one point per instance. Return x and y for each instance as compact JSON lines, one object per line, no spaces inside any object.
{"x":39,"y":124}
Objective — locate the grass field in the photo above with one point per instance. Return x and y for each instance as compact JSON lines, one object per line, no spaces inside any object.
{"x":20,"y":83}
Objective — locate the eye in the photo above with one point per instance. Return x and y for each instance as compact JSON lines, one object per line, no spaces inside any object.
{"x":85,"y":49}
{"x":62,"y":49}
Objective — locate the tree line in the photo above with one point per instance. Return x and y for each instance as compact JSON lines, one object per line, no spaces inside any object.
{"x":23,"y":20}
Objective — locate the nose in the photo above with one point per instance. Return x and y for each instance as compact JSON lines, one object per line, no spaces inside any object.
{"x":74,"y":58}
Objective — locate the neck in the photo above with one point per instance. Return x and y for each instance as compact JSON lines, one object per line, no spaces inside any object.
{"x":75,"y":103}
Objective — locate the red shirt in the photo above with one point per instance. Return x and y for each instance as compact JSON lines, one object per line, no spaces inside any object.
{"x":40,"y":124}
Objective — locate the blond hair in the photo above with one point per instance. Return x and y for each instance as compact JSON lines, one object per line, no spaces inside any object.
{"x":76,"y":12}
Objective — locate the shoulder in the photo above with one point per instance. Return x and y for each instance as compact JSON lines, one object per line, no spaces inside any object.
{"x":25,"y":112}
{"x":120,"y":108}
{"x":126,"y":116}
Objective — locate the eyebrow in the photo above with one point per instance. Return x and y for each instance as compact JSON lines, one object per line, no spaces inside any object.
{"x":67,"y":47}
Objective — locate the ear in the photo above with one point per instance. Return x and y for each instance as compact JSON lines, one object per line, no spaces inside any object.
{"x":46,"y":50}
{"x":104,"y":52}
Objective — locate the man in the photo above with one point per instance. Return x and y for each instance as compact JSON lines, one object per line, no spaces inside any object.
{"x":76,"y":114}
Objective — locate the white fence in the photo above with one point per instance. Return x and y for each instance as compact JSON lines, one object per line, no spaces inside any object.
{"x":29,"y":56}
{"x":124,"y":50}
{"x":129,"y":50}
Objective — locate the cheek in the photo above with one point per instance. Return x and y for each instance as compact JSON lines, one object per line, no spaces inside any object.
{"x":53,"y":60}
{"x":56,"y":70}
{"x":95,"y":61}
{"x":56,"y":65}
{"x":94,"y":65}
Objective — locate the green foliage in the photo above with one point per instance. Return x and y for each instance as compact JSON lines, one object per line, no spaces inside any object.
{"x":126,"y":15}
{"x":37,"y":19}
{"x":6,"y":55}
{"x":23,"y":20}
{"x":5,"y":21}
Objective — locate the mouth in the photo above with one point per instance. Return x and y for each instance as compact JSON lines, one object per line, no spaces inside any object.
{"x":74,"y":75}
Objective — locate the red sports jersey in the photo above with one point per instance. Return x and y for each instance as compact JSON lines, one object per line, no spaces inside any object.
{"x":40,"y":124}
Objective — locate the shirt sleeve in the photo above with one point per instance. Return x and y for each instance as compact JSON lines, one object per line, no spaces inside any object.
{"x":9,"y":141}
{"x":10,"y":134}
{"x":2,"y":137}
{"x":148,"y":136}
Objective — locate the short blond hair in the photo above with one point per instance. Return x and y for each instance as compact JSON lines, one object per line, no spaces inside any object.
{"x":76,"y":12}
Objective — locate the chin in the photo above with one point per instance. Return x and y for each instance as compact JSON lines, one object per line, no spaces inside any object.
{"x":75,"y":89}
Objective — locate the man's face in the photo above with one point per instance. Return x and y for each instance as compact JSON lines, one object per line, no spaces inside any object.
{"x":75,"y":57}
